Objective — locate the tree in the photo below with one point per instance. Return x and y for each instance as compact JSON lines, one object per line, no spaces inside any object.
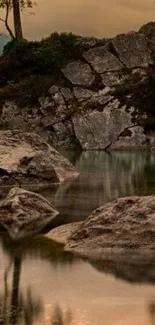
{"x":16,"y":6}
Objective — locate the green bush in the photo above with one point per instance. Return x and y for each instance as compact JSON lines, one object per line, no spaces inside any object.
{"x":18,"y":48}
{"x":46,"y":55}
{"x":28,"y":90}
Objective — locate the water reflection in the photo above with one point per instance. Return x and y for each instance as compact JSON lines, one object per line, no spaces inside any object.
{"x":60,"y":318}
{"x":133,"y":267}
{"x":103,"y":177}
{"x":16,"y":306}
{"x":43,"y":285}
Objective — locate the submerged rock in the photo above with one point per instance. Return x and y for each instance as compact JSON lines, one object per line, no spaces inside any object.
{"x":25,"y":213}
{"x":127,"y":223}
{"x":26,"y":159}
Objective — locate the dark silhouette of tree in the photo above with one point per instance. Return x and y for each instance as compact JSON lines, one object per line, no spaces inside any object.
{"x":14,"y":6}
{"x":14,"y":307}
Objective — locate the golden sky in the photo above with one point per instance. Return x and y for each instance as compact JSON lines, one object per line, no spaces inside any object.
{"x":100,"y":18}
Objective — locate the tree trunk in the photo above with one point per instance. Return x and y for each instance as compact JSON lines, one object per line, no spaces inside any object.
{"x":17,"y":20}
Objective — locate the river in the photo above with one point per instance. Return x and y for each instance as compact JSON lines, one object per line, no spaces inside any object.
{"x":43,"y":285}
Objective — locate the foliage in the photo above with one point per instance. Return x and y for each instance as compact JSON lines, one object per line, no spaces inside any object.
{"x":36,"y":61}
{"x":28,"y":90}
{"x":23,"y":4}
{"x":16,"y":6}
{"x":50,"y":53}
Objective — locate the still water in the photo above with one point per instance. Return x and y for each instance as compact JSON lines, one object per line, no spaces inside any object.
{"x":40,"y":284}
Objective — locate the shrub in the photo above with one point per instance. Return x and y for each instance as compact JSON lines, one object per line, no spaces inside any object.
{"x":28,"y":90}
{"x":46,"y":55}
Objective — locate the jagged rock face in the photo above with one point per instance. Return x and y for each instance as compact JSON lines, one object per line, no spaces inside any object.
{"x":127,"y":223}
{"x":105,"y":99}
{"x":26,"y":159}
{"x":149,"y":31}
{"x":102,"y":60}
{"x":25,"y":213}
{"x":132,"y":50}
{"x":101,"y":129}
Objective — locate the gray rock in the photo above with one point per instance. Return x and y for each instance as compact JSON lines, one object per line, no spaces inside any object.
{"x":102,"y":60}
{"x":132,"y":50}
{"x":58,"y":98}
{"x":82,"y":94}
{"x":136,"y":139}
{"x":30,"y":161}
{"x":54,"y":89}
{"x":98,"y":130}
{"x":46,"y":105}
{"x":25,"y":213}
{"x":67,"y":94}
{"x":49,"y":120}
{"x":127,"y":223}
{"x":111,"y":79}
{"x":149,"y":31}
{"x":89,"y":42}
{"x":79,"y":73}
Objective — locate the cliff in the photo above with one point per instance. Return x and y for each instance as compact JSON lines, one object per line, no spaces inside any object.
{"x":101,"y":97}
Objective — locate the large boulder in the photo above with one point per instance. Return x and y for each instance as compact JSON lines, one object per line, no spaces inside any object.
{"x":98,"y":130}
{"x":132,"y":50}
{"x":102,"y":60}
{"x":125,"y":224}
{"x":25,"y":213}
{"x":26,"y":159}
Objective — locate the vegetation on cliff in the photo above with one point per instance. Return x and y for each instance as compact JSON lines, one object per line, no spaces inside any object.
{"x":28,"y":69}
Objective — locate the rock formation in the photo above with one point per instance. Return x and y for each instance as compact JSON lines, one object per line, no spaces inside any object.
{"x":27,"y":160}
{"x":25,"y":213}
{"x":125,"y":224}
{"x":105,"y":99}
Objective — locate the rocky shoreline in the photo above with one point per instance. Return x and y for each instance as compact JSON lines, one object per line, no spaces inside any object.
{"x":27,"y":161}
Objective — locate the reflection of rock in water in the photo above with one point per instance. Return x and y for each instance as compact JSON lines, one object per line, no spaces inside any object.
{"x":38,"y":247}
{"x":132,"y":267}
{"x":22,"y":307}
{"x":104,"y":177}
{"x":61,"y":318}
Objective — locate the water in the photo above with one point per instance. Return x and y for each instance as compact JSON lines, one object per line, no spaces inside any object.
{"x":103,"y":178}
{"x":40,"y":284}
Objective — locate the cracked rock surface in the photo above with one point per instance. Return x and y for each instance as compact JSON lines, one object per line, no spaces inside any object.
{"x":27,"y":160}
{"x":126,"y":223}
{"x":105,"y":98}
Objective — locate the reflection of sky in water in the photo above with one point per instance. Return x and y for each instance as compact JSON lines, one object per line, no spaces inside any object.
{"x":52,"y":287}
{"x":42,"y":285}
{"x":92,"y":18}
{"x":103,"y":177}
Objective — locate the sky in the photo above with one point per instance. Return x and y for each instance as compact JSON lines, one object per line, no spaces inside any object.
{"x":100,"y":18}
